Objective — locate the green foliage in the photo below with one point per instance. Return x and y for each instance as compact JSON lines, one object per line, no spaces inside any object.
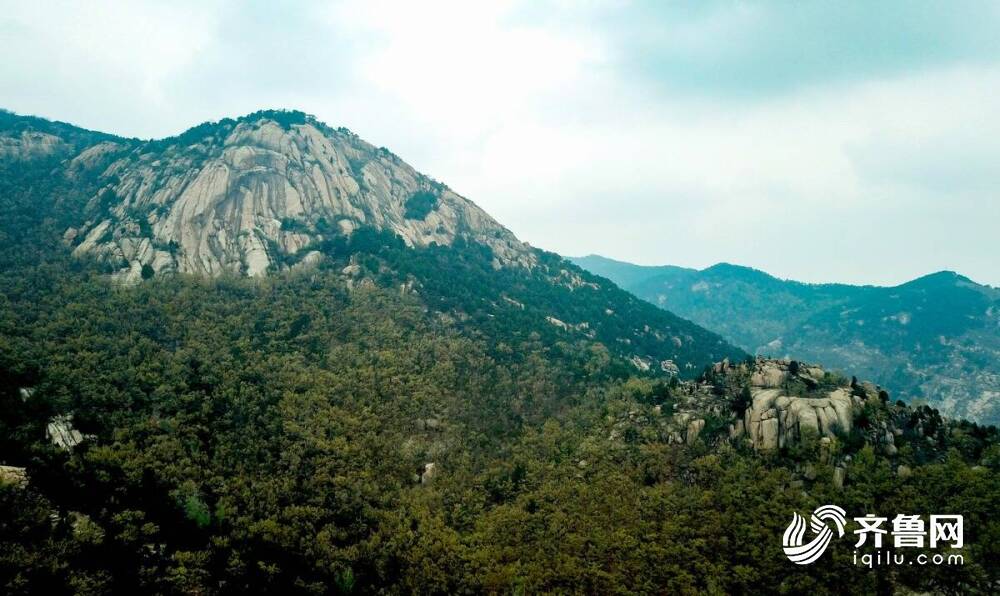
{"x":263,"y":436}
{"x":420,"y":204}
{"x":289,"y":224}
{"x":743,"y":400}
{"x":926,"y":339}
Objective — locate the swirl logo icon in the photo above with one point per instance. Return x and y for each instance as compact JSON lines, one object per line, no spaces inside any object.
{"x":793,"y":541}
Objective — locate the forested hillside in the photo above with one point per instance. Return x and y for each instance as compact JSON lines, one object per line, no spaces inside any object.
{"x":392,"y":418}
{"x":935,"y":339}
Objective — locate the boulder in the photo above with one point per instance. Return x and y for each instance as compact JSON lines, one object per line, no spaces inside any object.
{"x":14,"y":476}
{"x":839,"y":475}
{"x":694,"y":428}
{"x":768,"y":375}
{"x":430,"y":471}
{"x":792,"y":415}
{"x":815,"y":372}
{"x":768,"y":440}
{"x":825,"y":448}
{"x":61,"y":433}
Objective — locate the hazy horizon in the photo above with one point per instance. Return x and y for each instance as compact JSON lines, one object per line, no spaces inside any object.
{"x":859,"y":149}
{"x":749,"y":266}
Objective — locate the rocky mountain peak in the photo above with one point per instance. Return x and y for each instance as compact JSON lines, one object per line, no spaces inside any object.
{"x":259,"y":194}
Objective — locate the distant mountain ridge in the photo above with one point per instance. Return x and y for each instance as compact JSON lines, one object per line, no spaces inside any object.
{"x":935,"y":338}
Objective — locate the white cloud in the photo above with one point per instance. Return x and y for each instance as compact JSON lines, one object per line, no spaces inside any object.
{"x":64,"y":59}
{"x":850,"y":183}
{"x":535,"y":112}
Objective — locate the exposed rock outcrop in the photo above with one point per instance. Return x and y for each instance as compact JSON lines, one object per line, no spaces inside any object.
{"x":775,"y":420}
{"x":784,"y":401}
{"x":61,"y":433}
{"x":815,"y":421}
{"x":839,"y":475}
{"x":30,"y":145}
{"x":250,"y":196}
{"x":14,"y":476}
{"x":430,"y":471}
{"x":694,"y":428}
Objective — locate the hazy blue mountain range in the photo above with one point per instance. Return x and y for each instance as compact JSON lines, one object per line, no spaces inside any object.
{"x":935,"y":339}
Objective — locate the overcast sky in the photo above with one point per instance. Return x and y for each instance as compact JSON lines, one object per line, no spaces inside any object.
{"x":820,"y":141}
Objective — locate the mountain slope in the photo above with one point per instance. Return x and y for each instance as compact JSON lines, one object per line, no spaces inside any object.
{"x":276,"y":191}
{"x":935,"y":339}
{"x":389,"y":417}
{"x":255,"y":194}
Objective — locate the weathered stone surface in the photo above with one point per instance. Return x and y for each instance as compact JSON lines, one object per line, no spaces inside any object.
{"x":770,"y":376}
{"x":61,"y":433}
{"x":251,"y":197}
{"x":839,"y":475}
{"x":13,"y":475}
{"x":825,"y":446}
{"x":430,"y":471}
{"x":767,"y":436}
{"x":774,"y":420}
{"x":694,"y":429}
{"x":30,"y":145}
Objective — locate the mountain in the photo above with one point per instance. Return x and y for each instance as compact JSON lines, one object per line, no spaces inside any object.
{"x":275,"y":191}
{"x":229,"y":368}
{"x":935,"y":339}
{"x":259,"y":193}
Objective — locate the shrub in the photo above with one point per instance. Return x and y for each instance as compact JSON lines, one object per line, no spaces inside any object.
{"x":420,"y":204}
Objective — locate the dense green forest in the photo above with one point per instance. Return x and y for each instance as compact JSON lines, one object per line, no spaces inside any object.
{"x":269,"y":436}
{"x":397,"y":432}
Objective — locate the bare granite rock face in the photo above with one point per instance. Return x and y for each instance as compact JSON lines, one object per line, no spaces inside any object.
{"x":773,"y":406}
{"x":775,"y":420}
{"x":30,"y":145}
{"x":62,"y":434}
{"x":252,"y":196}
{"x":694,"y":428}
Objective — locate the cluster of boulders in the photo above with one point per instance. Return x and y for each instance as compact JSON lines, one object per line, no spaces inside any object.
{"x":773,"y":420}
{"x":772,"y":405}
